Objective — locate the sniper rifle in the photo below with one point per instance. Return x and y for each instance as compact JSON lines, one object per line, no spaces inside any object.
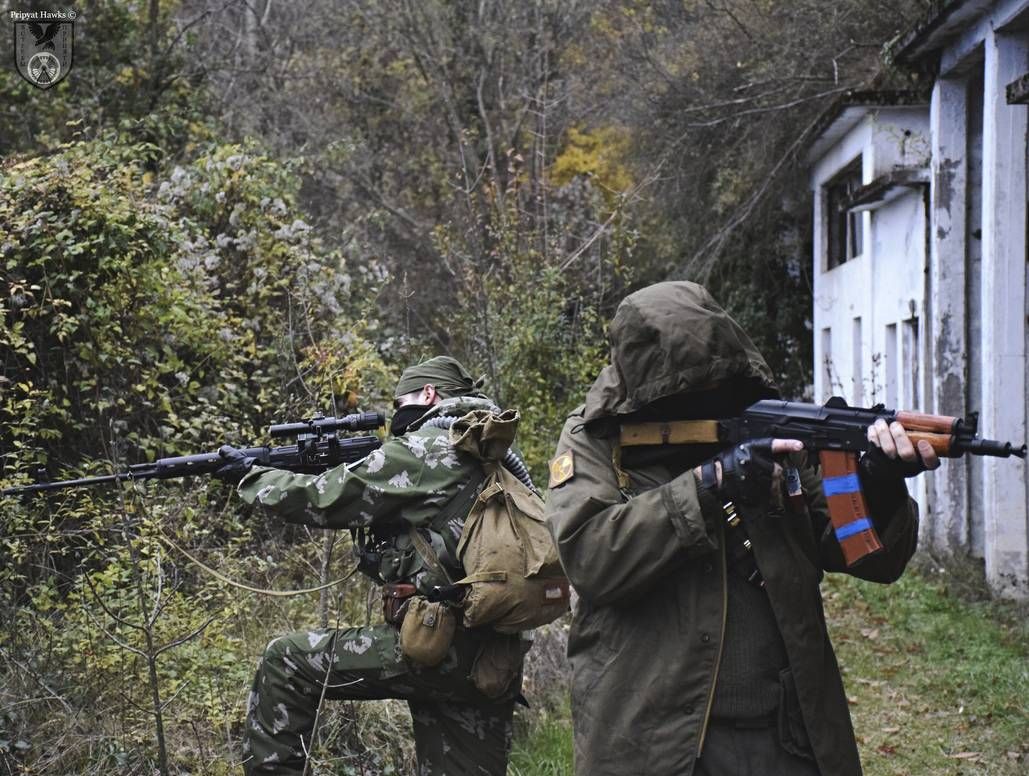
{"x":319,"y":446}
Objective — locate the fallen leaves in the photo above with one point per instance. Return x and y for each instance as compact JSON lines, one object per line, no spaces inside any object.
{"x":970,"y":756}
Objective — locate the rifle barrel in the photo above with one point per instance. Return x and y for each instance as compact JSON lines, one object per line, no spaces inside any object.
{"x":316,"y":457}
{"x":82,"y":482}
{"x":992,"y":447}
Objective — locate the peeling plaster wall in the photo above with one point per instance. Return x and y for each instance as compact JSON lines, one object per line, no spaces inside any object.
{"x":914,"y":259}
{"x":884,"y":287}
{"x":945,"y":526}
{"x":981,"y":508}
{"x":1004,"y":303}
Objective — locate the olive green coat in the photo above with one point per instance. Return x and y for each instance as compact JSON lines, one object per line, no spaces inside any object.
{"x":649,"y":565}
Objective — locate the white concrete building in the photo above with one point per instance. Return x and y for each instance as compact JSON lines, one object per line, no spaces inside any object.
{"x":920,"y":265}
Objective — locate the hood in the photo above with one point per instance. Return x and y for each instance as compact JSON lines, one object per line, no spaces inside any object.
{"x":671,"y":338}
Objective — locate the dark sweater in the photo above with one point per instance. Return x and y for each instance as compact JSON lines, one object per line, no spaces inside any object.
{"x":753,"y":654}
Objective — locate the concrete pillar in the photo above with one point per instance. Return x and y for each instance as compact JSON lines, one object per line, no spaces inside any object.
{"x":1004,"y":315}
{"x":945,"y":527}
{"x":820,"y":347}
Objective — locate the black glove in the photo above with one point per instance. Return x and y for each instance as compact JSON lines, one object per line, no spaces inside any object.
{"x":236,"y":465}
{"x":878,"y":468}
{"x":747,"y":471}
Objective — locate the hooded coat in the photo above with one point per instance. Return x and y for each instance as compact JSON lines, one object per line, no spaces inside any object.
{"x":648,"y":560}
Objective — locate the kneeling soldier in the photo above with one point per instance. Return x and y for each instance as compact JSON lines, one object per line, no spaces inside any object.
{"x":417,"y":479}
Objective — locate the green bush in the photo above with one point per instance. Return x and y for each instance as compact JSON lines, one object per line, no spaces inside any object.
{"x":145,"y":316}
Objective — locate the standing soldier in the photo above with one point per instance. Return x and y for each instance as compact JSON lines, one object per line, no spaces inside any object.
{"x":417,"y":479}
{"x":694,"y":652}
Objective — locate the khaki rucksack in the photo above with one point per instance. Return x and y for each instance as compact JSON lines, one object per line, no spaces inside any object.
{"x":511,"y":564}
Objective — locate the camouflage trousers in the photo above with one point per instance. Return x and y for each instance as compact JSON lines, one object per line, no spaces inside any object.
{"x":457,"y":729}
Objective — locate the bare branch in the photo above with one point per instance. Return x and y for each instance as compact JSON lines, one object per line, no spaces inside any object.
{"x":183,"y":639}
{"x":37,"y":679}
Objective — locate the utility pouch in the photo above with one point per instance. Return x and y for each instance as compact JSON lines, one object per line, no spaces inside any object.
{"x":427,"y":631}
{"x":395,"y":598}
{"x":792,"y":733}
{"x":499,"y":664}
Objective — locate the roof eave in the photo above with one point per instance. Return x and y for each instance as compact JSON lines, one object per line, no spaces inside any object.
{"x":946,"y":19}
{"x":848,"y":109}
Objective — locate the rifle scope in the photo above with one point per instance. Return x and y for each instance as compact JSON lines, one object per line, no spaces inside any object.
{"x":320,"y":425}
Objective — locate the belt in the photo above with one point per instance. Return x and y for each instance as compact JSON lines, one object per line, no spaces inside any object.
{"x":746,"y":723}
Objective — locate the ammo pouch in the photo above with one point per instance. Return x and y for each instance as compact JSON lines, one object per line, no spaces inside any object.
{"x":427,"y":631}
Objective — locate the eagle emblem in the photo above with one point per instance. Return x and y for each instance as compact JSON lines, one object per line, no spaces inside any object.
{"x":44,"y":35}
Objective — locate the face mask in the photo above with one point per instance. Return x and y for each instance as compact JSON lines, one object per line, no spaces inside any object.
{"x":405,"y":416}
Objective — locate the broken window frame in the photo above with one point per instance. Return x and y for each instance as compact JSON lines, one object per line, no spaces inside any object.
{"x":844,"y":233}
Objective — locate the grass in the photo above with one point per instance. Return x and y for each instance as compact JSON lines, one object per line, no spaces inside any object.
{"x":937,"y":682}
{"x":543,"y":743}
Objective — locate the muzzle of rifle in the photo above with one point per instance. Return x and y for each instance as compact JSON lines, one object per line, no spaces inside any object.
{"x":992,"y":447}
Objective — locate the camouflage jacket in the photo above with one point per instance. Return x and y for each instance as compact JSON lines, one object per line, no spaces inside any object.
{"x":410,"y":481}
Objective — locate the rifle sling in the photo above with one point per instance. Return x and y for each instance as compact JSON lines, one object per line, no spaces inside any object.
{"x":458,"y":506}
{"x":672,"y":432}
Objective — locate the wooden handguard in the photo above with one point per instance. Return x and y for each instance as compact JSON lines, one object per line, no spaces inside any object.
{"x":847,"y":508}
{"x":918,"y":421}
{"x":943,"y":444}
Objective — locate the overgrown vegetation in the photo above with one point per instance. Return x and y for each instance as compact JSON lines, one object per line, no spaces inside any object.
{"x":233,"y":213}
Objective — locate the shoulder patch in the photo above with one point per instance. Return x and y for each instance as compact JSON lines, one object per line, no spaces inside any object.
{"x":562,"y":469}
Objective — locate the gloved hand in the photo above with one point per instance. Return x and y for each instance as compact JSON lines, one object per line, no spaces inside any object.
{"x":236,"y":465}
{"x":748,"y":472}
{"x":892,"y":457}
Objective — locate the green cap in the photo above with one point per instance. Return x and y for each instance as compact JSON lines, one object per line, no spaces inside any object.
{"x":446,"y":373}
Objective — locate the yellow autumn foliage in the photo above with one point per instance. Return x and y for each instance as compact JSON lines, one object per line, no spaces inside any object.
{"x":598,"y":154}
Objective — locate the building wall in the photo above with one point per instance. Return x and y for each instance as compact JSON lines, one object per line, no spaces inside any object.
{"x":979,"y":230}
{"x":964,"y":278}
{"x":870,"y":311}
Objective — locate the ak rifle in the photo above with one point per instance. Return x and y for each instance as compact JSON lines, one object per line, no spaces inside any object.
{"x":838,"y":433}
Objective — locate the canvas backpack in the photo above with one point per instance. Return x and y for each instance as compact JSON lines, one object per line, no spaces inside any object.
{"x":512,"y":571}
